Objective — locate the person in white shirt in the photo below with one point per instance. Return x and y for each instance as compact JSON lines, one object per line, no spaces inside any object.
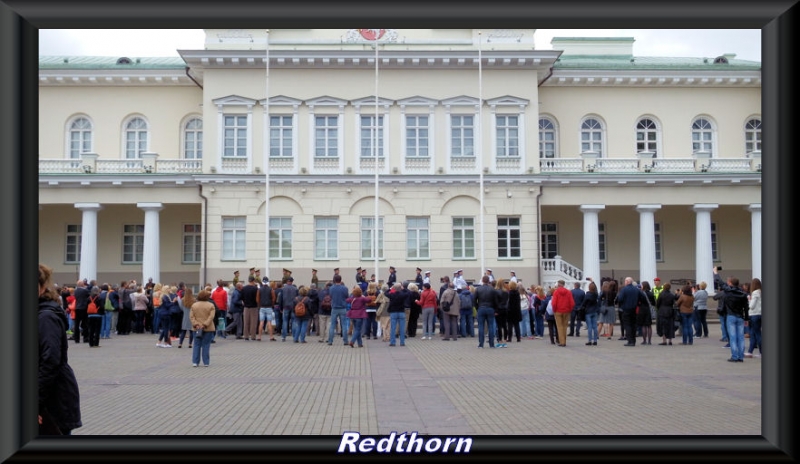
{"x":459,"y":280}
{"x":490,"y":275}
{"x":513,"y":277}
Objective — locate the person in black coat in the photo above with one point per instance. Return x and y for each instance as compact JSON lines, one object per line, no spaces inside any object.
{"x":665,"y":311}
{"x":59,"y":396}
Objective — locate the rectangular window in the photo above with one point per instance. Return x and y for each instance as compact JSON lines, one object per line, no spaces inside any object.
{"x":601,"y":242}
{"x":368,"y":135}
{"x":507,"y":136}
{"x":714,"y":247}
{"x":367,"y":234}
{"x":462,"y":135}
{"x":659,"y":248}
{"x":132,"y":243}
{"x":418,"y":234}
{"x":417,"y":137}
{"x":549,"y":240}
{"x":326,"y":138}
{"x":235,"y":136}
{"x":73,"y":245}
{"x":509,"y":237}
{"x":280,"y":136}
{"x":463,"y":238}
{"x":234,"y":238}
{"x":192,"y":243}
{"x":326,"y":238}
{"x":280,"y":238}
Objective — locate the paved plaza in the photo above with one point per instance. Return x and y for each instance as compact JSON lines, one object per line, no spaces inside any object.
{"x":131,"y":387}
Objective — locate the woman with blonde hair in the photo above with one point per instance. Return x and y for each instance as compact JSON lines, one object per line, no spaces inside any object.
{"x":754,"y":322}
{"x":201,"y":315}
{"x":701,"y":311}
{"x":382,"y":314}
{"x":185,"y":304}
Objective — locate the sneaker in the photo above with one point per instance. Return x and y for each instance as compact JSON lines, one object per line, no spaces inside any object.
{"x":748,"y":355}
{"x":159,"y":345}
{"x":167,"y":346}
{"x":194,"y":364}
{"x":756,"y":355}
{"x":727,"y":345}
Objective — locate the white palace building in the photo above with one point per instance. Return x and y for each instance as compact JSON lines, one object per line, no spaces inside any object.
{"x":457,"y":148}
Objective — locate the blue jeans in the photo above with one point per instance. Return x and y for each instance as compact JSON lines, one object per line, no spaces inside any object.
{"x":687,"y":327}
{"x":700,"y":323}
{"x":287,"y":318}
{"x":735,"y":335}
{"x":538,"y":324}
{"x":755,"y":333}
{"x":428,"y":318}
{"x":358,"y":325}
{"x":724,"y":326}
{"x":339,"y":314}
{"x":164,"y":334}
{"x":525,"y":323}
{"x":156,"y":319}
{"x":486,"y":316}
{"x":398,"y":318}
{"x":467,"y":322}
{"x":371,"y":325}
{"x":591,"y":326}
{"x":201,"y":347}
{"x":299,"y":328}
{"x":105,"y":328}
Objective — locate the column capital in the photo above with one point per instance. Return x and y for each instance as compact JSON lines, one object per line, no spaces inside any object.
{"x":88,"y":206}
{"x":704,"y":207}
{"x":150,"y":206}
{"x":645,"y":208}
{"x":754,"y":208}
{"x":592,"y":208}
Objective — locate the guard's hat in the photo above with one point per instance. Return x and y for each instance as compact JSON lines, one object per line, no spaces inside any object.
{"x":427,"y":272}
{"x":336,"y":269}
{"x":420,"y":270}
{"x":287,"y":271}
{"x":252,"y":269}
{"x":358,"y":268}
{"x":313,"y":270}
{"x":391,"y":267}
{"x":236,"y":272}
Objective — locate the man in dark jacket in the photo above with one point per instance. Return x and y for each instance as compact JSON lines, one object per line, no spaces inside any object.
{"x":736,"y":305}
{"x":81,"y":314}
{"x":288,"y":293}
{"x":486,"y":301}
{"x":577,"y":295}
{"x":628,"y":298}
{"x":237,"y":310}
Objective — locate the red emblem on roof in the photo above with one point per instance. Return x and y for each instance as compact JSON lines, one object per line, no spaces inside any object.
{"x":372,"y":34}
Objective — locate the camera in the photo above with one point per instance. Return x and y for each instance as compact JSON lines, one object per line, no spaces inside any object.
{"x":719,"y":268}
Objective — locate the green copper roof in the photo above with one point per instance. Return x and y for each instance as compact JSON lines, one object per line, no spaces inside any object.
{"x":630,"y":63}
{"x":110,"y":62}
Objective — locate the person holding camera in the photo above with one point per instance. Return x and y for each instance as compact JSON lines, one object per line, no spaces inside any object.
{"x":201,"y":315}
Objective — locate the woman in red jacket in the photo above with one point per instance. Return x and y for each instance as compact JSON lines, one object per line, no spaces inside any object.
{"x":427,"y":301}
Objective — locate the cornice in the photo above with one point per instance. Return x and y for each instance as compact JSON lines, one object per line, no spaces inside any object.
{"x":653,"y":78}
{"x":120,"y":78}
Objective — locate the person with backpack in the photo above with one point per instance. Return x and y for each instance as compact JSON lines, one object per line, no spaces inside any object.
{"x":467,"y":317}
{"x":301,"y":315}
{"x":357,"y":314}
{"x":266,"y":314}
{"x":96,"y":312}
{"x":109,"y":311}
{"x":736,"y":307}
{"x":288,"y":294}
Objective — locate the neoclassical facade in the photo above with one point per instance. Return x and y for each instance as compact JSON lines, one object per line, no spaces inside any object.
{"x":438,"y":149}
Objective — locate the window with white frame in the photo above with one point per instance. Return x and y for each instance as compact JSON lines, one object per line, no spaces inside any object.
{"x":193,"y":139}
{"x":549,"y":237}
{"x":647,"y":136}
{"x":326,"y":238}
{"x":592,"y":136}
{"x":192,"y":243}
{"x":280,"y":136}
{"x":367,"y":238}
{"x":80,"y":137}
{"x":463,"y":238}
{"x":132,"y":243}
{"x":418,"y":237}
{"x":462,"y":135}
{"x":507,"y":132}
{"x":280,"y":238}
{"x":234,"y":141}
{"x":135,"y":138}
{"x":702,"y":136}
{"x":509,"y":237}
{"x":417,"y":136}
{"x":326,"y":136}
{"x":601,"y":242}
{"x":547,"y":138}
{"x":714,"y":242}
{"x":234,"y":238}
{"x":72,"y":246}
{"x":369,"y":131}
{"x":752,"y":135}
{"x":658,"y":242}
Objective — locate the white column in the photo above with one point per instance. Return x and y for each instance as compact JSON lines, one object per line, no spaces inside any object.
{"x":591,"y":242}
{"x":755,"y":237}
{"x":704,"y":260}
{"x":88,"y":239}
{"x":151,"y":255}
{"x":647,"y":242}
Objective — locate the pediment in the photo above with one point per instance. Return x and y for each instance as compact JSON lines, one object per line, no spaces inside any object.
{"x":234,"y":100}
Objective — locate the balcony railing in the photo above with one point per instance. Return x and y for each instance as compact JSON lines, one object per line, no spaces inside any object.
{"x":149,"y":163}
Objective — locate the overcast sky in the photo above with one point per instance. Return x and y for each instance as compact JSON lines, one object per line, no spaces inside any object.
{"x":745,"y":43}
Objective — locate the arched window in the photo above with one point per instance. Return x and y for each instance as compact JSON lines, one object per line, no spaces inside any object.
{"x":592,"y":136}
{"x":135,"y":138}
{"x":752,"y":135}
{"x":547,"y":138}
{"x":702,"y":136}
{"x":647,"y":136}
{"x":80,"y":137}
{"x":193,"y":139}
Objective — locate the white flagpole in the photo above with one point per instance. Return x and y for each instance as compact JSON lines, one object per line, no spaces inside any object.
{"x":375,"y":151}
{"x":479,"y":151}
{"x":266,"y":160}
